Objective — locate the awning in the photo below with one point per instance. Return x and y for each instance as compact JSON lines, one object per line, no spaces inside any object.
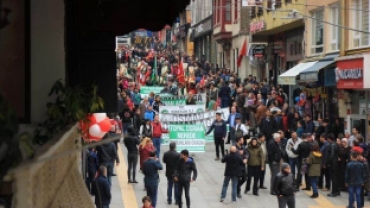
{"x":289,"y":77}
{"x":311,"y":74}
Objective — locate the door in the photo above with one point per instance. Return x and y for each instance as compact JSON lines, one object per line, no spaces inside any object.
{"x":358,"y":121}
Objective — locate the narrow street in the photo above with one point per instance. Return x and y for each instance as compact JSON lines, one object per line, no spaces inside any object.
{"x":205,"y":191}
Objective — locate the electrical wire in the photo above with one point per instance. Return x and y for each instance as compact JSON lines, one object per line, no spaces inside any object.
{"x":211,"y":7}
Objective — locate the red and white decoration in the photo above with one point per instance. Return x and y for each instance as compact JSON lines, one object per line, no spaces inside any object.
{"x":98,"y":125}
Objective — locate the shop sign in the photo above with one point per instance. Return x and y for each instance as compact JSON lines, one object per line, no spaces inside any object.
{"x":294,"y":48}
{"x":257,"y":26}
{"x":349,"y":74}
{"x":278,"y":46}
{"x":203,"y":27}
{"x":287,"y":80}
{"x":313,"y":77}
{"x":259,"y":50}
{"x":182,"y":31}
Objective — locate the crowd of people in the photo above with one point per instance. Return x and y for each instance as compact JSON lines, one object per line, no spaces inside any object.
{"x":264,"y":131}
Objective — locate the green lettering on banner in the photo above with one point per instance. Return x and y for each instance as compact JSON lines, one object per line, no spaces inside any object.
{"x":186,"y":136}
{"x":146,"y":90}
{"x":180,"y":100}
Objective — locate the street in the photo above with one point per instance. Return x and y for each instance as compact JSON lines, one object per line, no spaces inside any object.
{"x":205,"y":191}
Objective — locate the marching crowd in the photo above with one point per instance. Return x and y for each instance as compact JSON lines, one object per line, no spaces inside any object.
{"x":264,"y":131}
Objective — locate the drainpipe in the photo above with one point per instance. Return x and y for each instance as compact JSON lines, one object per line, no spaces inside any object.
{"x":343,"y":33}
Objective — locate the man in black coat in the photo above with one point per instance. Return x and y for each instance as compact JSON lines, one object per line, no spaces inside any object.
{"x":268,"y":126}
{"x":131,"y":143}
{"x":243,"y":153}
{"x":274,"y":150}
{"x":101,"y":189}
{"x":107,"y":154}
{"x":171,"y":159}
{"x":303,"y":151}
{"x":233,"y":162}
{"x":284,"y":187}
{"x":332,"y":161}
{"x":183,"y":172}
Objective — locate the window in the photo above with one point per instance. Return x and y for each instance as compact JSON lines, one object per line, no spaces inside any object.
{"x":252,"y":12}
{"x":360,"y":21}
{"x":334,"y":29}
{"x":259,"y":7}
{"x":317,"y":45}
{"x":227,"y":10}
{"x":236,"y":6}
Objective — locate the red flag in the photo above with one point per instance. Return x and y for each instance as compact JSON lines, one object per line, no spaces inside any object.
{"x":201,"y":82}
{"x":243,"y":52}
{"x":180,"y":73}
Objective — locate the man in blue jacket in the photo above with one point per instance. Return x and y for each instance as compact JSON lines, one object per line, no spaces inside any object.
{"x":101,"y":189}
{"x":219,"y":134}
{"x":310,"y":126}
{"x":231,"y":121}
{"x":150,"y":170}
{"x":354,"y":180}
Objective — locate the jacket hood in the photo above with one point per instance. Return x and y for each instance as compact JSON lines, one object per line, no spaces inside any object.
{"x":317,"y":154}
{"x":257,"y":146}
{"x":190,"y":159}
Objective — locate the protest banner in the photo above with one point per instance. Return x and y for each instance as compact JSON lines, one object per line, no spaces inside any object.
{"x":187,"y":136}
{"x":180,"y":110}
{"x":180,"y":100}
{"x":146,"y":90}
{"x":204,"y":119}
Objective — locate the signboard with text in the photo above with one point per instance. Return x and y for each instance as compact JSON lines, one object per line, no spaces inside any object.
{"x":187,"y":136}
{"x":180,"y":100}
{"x":349,"y":74}
{"x":146,"y":90}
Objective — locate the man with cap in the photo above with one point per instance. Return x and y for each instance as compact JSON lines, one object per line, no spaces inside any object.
{"x":219,"y":134}
{"x":284,"y":187}
{"x":231,"y":122}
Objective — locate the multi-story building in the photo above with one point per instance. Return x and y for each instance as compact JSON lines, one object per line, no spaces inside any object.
{"x":333,"y":74}
{"x":230,"y":20}
{"x":201,"y":30}
{"x":276,"y":37}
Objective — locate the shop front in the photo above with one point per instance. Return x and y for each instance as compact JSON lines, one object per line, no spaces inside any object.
{"x":203,"y":40}
{"x":312,"y":81}
{"x":353,"y":84}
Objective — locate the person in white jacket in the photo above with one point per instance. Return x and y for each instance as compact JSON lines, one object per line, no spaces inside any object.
{"x":293,"y":158}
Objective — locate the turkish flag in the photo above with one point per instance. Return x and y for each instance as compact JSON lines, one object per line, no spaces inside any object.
{"x":243,"y":52}
{"x":180,"y":73}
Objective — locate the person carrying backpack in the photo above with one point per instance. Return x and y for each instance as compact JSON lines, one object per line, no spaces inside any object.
{"x":146,"y":129}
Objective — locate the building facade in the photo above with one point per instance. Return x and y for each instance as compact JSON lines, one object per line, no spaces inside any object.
{"x":201,"y":31}
{"x":278,"y":34}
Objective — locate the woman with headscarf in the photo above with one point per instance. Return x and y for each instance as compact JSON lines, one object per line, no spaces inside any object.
{"x":314,"y":161}
{"x":343,"y":158}
{"x":256,"y":164}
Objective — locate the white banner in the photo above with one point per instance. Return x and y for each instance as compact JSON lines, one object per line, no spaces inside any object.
{"x":186,"y":109}
{"x":190,"y":116}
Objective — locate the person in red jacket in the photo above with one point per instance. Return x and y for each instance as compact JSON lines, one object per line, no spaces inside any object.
{"x":157,"y":134}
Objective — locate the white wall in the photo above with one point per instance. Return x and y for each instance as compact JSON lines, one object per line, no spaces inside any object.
{"x":47,"y":52}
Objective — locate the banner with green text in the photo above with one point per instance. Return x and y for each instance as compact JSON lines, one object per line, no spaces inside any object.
{"x":146,"y":90}
{"x":180,"y":100}
{"x":187,"y":136}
